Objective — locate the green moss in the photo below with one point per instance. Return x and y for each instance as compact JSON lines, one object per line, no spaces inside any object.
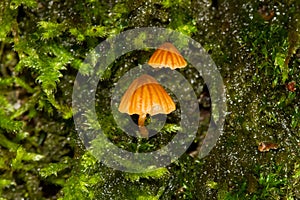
{"x":42,"y":46}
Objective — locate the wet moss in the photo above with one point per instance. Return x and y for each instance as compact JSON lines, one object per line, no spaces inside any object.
{"x":255,"y":46}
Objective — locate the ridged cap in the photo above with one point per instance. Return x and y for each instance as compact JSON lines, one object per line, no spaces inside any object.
{"x":146,"y":96}
{"x":167,"y":55}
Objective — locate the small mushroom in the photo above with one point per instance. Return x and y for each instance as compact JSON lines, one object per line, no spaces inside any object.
{"x":167,"y":55}
{"x":146,"y":96}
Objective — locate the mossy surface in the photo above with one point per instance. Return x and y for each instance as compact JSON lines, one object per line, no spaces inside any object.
{"x":255,"y":46}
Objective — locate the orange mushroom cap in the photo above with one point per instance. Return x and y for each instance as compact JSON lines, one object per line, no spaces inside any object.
{"x":167,"y":55}
{"x":146,"y":96}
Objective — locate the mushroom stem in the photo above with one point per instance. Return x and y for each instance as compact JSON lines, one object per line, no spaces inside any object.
{"x":142,"y":119}
{"x":143,"y":130}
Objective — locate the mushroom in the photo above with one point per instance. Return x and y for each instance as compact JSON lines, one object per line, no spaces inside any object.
{"x":146,"y":96}
{"x":167,"y":55}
